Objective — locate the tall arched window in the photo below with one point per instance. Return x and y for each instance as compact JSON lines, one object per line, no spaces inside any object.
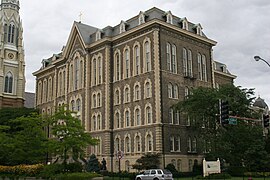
{"x":94,"y":100}
{"x":99,"y":99}
{"x":94,"y":66}
{"x":77,"y":73}
{"x":137,"y":60}
{"x":137,"y":116}
{"x":94,"y":122}
{"x":147,"y":57}
{"x":149,"y":143}
{"x":170,"y":90}
{"x":175,"y":91}
{"x":127,"y":63}
{"x":171,"y":116}
{"x":5,"y":32}
{"x":185,"y":63}
{"x":78,"y":104}
{"x":127,"y":118}
{"x":174,"y":64}
{"x":99,"y":70}
{"x":127,"y":94}
{"x":71,"y":78}
{"x":117,"y":144}
{"x":99,"y":122}
{"x":147,"y":90}
{"x":168,"y":54}
{"x":117,"y":67}
{"x":117,"y":97}
{"x":127,"y":144}
{"x":117,"y":120}
{"x":204,"y":74}
{"x":11,"y":33}
{"x":190,"y":70}
{"x":72,"y":105}
{"x":137,"y":143}
{"x":200,"y":66}
{"x":148,"y":114}
{"x":137,"y":92}
{"x":9,"y":83}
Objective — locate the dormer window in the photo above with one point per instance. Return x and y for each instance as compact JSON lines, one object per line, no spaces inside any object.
{"x":198,"y":29}
{"x":98,"y":35}
{"x":224,"y":68}
{"x":169,"y":18}
{"x":122,"y":27}
{"x":141,"y":18}
{"x":184,"y":24}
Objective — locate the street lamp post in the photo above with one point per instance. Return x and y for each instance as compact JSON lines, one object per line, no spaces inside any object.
{"x":257,"y":58}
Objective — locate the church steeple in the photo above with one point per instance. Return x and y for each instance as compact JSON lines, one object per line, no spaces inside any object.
{"x":10,"y":4}
{"x":12,"y":65}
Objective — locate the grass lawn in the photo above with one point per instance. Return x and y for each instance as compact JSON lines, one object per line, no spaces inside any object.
{"x":233,"y":178}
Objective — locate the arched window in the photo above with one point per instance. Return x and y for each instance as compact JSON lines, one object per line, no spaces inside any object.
{"x":127,"y":94}
{"x":45,"y":86}
{"x":127,"y":144}
{"x":77,"y":73}
{"x":189,"y":144}
{"x":5,"y":32}
{"x":60,"y":84}
{"x":170,"y":90}
{"x":137,"y":60}
{"x":127,"y":118}
{"x":9,"y":83}
{"x":168,"y":55}
{"x":94,"y":100}
{"x":148,"y":115}
{"x":175,"y":91}
{"x":186,"y":92}
{"x":72,"y":105}
{"x":137,"y":92}
{"x":117,"y":67}
{"x":71,"y":78}
{"x":149,"y":143}
{"x":11,"y":33}
{"x":190,"y":70}
{"x":99,"y":70}
{"x":147,"y":57}
{"x":99,"y":122}
{"x":94,"y":66}
{"x":94,"y":122}
{"x":174,"y":64}
{"x":127,"y":63}
{"x":185,"y":63}
{"x":194,"y":145}
{"x":117,"y":144}
{"x":78,"y":103}
{"x":99,"y":99}
{"x":200,"y":66}
{"x":137,"y":116}
{"x":171,"y":116}
{"x":147,"y":89}
{"x":117,"y":96}
{"x":179,"y":165}
{"x":117,"y":120}
{"x":137,"y":143}
{"x":204,"y":74}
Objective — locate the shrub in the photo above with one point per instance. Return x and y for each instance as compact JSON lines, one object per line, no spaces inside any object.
{"x":236,"y":171}
{"x":51,"y":170}
{"x":77,"y":176}
{"x":257,"y":174}
{"x":25,"y":170}
{"x":215,"y":176}
{"x":74,"y":167}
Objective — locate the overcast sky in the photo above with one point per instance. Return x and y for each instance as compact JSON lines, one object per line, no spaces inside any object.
{"x":241,"y":28}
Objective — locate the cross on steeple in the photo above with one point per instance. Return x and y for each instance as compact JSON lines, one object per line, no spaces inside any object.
{"x":80,"y":16}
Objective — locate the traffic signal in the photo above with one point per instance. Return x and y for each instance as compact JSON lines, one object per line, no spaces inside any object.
{"x":224,"y":112}
{"x":265,"y":120}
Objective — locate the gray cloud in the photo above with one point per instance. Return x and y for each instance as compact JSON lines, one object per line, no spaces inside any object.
{"x":240,"y":27}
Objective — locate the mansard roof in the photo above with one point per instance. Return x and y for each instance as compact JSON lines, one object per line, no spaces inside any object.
{"x":88,"y":32}
{"x":259,"y":102}
{"x":222,"y":68}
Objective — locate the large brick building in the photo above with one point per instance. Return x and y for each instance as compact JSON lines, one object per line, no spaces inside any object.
{"x":122,"y":81}
{"x":12,"y":65}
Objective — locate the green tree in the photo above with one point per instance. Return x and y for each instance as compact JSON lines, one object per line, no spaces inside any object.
{"x":70,"y":138}
{"x":92,"y":164}
{"x":235,"y":144}
{"x":148,"y":161}
{"x":25,"y":145}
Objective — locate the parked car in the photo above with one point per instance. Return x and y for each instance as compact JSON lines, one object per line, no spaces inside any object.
{"x":155,"y":174}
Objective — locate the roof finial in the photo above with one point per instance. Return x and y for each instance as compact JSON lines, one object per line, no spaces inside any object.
{"x":80,"y":16}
